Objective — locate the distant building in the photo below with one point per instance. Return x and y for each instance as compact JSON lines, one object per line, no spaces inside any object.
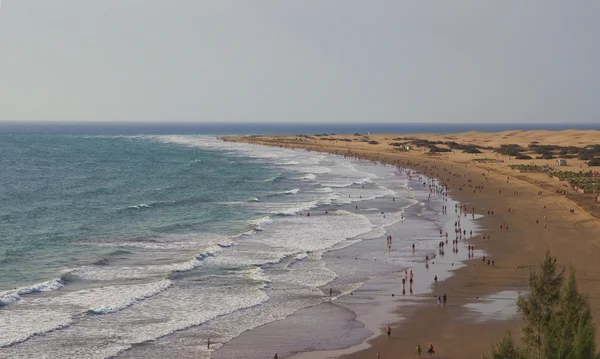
{"x":408,"y":148}
{"x":561,"y":162}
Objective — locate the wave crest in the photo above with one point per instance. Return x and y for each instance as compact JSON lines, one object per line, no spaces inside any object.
{"x":14,"y":296}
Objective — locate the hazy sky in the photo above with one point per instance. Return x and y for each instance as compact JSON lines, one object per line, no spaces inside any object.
{"x":303,"y":60}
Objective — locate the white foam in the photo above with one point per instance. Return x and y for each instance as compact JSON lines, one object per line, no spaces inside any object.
{"x":134,"y":272}
{"x":312,"y":169}
{"x":309,"y":177}
{"x":114,"y":298}
{"x":300,"y":233}
{"x":324,"y":189}
{"x":292,"y":191}
{"x":350,"y":195}
{"x":301,"y":256}
{"x":337,"y":184}
{"x":273,"y":178}
{"x":204,"y":243}
{"x":258,"y":275}
{"x":148,"y":320}
{"x":298,"y":207}
{"x":253,"y":199}
{"x":176,"y":315}
{"x":259,"y":223}
{"x":309,"y":272}
{"x":14,"y":296}
{"x":294,"y":236}
{"x":140,"y":206}
{"x":19,"y":325}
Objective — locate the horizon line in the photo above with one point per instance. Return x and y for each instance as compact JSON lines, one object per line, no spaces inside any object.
{"x":116,"y":122}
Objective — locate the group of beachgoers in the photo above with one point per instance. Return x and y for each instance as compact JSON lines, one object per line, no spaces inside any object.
{"x":418,"y":350}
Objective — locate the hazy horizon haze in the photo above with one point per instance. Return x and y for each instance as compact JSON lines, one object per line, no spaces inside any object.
{"x":312,"y":61}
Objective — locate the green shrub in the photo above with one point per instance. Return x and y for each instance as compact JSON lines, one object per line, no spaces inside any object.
{"x":471,"y":150}
{"x":522,"y":157}
{"x":594,"y":161}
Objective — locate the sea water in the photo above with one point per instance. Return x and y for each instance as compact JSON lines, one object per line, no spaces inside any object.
{"x":147,"y":246}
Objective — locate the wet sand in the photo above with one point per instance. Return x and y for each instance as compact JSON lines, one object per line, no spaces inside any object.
{"x":458,"y":331}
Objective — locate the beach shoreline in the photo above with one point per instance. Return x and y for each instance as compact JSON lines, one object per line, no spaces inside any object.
{"x":514,"y":251}
{"x":373,"y":303}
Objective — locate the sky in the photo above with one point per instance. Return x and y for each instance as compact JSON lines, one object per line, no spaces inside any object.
{"x":300,"y":61}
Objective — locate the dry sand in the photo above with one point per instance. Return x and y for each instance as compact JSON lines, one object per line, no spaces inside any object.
{"x":573,"y":237}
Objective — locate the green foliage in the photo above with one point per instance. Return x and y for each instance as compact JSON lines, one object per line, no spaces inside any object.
{"x":572,"y":328}
{"x":588,"y":184}
{"x":551,"y":151}
{"x":527,"y":168}
{"x":439,"y":149}
{"x":537,"y":307}
{"x":562,"y":175}
{"x":544,"y":149}
{"x":471,"y":149}
{"x":484,"y":160}
{"x":522,"y":157}
{"x":547,"y":156}
{"x":557,"y":320}
{"x":510,"y":150}
{"x":506,"y":349}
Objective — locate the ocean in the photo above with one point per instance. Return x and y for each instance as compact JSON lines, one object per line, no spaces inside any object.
{"x":142,"y":246}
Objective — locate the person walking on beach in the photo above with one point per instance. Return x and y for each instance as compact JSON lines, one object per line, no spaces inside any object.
{"x":418,"y":351}
{"x":445,"y":298}
{"x":439,"y":300}
{"x":389,"y":332}
{"x":430,"y":350}
{"x":275,"y":357}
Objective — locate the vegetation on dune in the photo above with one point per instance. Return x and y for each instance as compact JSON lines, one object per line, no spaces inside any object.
{"x":543,"y":149}
{"x":552,"y":151}
{"x":457,"y":146}
{"x":546,"y":156}
{"x":336,"y":139}
{"x":439,"y":149}
{"x":589,"y":152}
{"x":527,"y":168}
{"x":562,"y":175}
{"x":510,"y":150}
{"x":484,"y":160}
{"x":594,"y":162}
{"x":471,"y":149}
{"x":521,"y":156}
{"x":557,"y":320}
{"x":587,"y":184}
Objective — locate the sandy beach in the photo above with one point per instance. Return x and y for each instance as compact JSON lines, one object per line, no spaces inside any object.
{"x":542,"y":212}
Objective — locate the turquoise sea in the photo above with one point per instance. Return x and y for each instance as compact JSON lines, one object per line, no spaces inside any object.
{"x":136,"y":246}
